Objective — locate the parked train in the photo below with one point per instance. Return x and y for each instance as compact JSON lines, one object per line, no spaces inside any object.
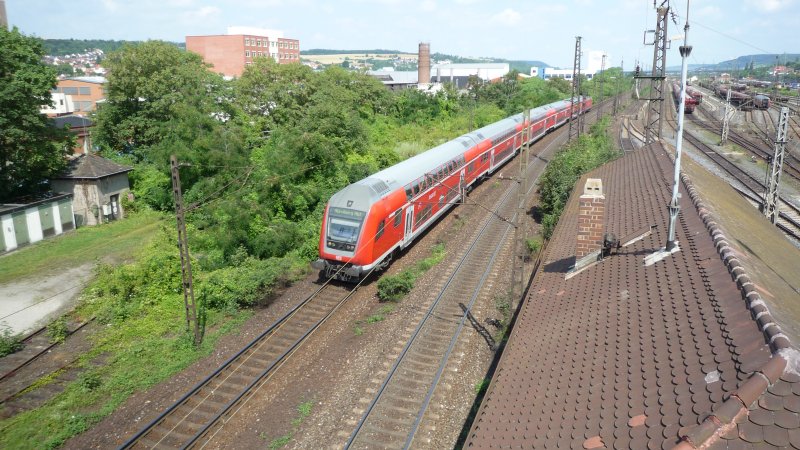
{"x":689,"y":104}
{"x":695,"y":94}
{"x":367,"y":222}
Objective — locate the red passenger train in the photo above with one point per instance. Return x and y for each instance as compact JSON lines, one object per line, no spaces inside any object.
{"x":367,"y":222}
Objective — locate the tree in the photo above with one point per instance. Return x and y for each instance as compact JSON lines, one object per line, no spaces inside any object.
{"x":151,"y":87}
{"x":30,"y":150}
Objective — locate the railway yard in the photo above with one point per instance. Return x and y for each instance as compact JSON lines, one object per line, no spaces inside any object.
{"x":328,"y":366}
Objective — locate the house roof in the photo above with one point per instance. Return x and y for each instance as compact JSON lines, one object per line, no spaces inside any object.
{"x":92,"y":166}
{"x":72,"y":120}
{"x":624,"y":355}
{"x":90,"y":79}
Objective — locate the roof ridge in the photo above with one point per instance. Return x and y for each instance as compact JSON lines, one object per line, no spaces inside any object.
{"x":735,"y":408}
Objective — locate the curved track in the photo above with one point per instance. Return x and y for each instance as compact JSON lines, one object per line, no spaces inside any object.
{"x":791,"y":162}
{"x":194,"y":418}
{"x":753,"y":189}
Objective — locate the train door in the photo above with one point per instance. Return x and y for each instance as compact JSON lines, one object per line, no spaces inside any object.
{"x":462,"y":189}
{"x":409,"y":225}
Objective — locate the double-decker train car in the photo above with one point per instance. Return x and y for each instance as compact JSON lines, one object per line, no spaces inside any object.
{"x":367,"y":222}
{"x":690,"y":102}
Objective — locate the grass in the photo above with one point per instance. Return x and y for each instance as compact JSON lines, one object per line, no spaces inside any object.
{"x":134,"y":351}
{"x":117,"y":240}
{"x":303,"y":411}
{"x":392,"y":288}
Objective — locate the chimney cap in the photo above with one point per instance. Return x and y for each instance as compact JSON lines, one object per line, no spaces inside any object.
{"x":593,"y":187}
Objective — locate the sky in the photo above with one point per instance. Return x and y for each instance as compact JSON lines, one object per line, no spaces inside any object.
{"x":512,"y":29}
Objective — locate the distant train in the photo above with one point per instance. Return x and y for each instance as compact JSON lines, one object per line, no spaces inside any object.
{"x":368,"y":222}
{"x":689,"y":104}
{"x":695,"y":94}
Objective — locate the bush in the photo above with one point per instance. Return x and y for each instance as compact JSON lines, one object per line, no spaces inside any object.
{"x":57,"y":330}
{"x":9,"y":343}
{"x":579,"y":157}
{"x":392,"y":288}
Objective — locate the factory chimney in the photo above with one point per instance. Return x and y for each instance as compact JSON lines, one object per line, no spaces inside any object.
{"x":424,"y":63}
{"x":3,"y":18}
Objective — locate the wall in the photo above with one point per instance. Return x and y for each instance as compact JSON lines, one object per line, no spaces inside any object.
{"x":82,"y":101}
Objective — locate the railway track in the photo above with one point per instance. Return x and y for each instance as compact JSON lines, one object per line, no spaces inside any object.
{"x":752,"y":189}
{"x":201,"y":412}
{"x":393,"y":417}
{"x":35,"y":345}
{"x":791,"y":165}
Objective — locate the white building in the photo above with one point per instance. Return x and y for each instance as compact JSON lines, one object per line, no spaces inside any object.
{"x":62,"y":104}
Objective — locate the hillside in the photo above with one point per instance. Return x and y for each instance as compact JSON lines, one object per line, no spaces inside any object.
{"x":61,"y":47}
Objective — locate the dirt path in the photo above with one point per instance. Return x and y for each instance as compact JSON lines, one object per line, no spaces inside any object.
{"x":29,"y":303}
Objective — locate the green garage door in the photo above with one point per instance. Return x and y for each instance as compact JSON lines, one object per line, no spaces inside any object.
{"x":46,"y":219}
{"x":65,"y":211}
{"x":20,"y":228}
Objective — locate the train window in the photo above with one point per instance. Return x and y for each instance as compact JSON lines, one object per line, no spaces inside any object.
{"x":380,"y":230}
{"x":409,"y":194}
{"x":398,"y":217}
{"x":416,"y":188}
{"x":469,"y":167}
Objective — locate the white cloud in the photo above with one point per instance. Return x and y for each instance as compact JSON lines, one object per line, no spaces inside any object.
{"x":428,"y":5}
{"x":770,"y":6}
{"x":707,"y":11}
{"x":507,"y":17}
{"x":202,"y":13}
{"x":111,"y":5}
{"x":180,"y":3}
{"x":466,"y":2}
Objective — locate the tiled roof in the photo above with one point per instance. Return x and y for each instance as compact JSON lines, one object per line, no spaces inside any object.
{"x":72,"y":120}
{"x":92,"y":166}
{"x":624,"y":355}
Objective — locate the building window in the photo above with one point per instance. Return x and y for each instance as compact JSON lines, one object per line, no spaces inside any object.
{"x":247,"y":53}
{"x":247,"y":42}
{"x":70,"y":90}
{"x":84,"y":91}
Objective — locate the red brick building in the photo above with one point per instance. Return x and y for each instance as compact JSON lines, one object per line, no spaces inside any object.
{"x":230,"y":53}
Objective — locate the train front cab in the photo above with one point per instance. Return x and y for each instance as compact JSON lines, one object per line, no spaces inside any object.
{"x":341,"y":245}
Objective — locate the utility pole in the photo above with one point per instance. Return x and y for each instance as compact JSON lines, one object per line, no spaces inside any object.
{"x":770,"y":206}
{"x":674,"y":208}
{"x":617,"y":92}
{"x":600,"y":97}
{"x":726,"y":119}
{"x":183,"y":247}
{"x":653,"y":124}
{"x":518,"y":266}
{"x":576,"y":119}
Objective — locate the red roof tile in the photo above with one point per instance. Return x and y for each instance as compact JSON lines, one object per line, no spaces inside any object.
{"x":627,"y":343}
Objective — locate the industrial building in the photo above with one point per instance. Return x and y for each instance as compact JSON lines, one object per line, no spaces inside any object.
{"x":229,"y":54}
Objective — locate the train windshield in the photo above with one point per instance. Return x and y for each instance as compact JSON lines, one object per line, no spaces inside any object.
{"x":344,"y":224}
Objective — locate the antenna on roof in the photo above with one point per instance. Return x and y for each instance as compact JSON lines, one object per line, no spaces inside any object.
{"x":674,"y":208}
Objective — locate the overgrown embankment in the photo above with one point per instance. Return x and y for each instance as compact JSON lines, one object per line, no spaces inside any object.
{"x":576,"y":158}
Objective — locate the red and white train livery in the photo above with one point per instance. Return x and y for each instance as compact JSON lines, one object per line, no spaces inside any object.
{"x":368,"y":221}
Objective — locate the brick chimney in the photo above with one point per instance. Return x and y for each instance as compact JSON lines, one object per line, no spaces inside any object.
{"x":591,"y":217}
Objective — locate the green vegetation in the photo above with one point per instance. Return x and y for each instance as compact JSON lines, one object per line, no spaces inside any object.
{"x":588,"y":152}
{"x":31,"y":151}
{"x":62,"y":47}
{"x":9,"y":343}
{"x":533,"y":245}
{"x":481,"y":386}
{"x":392,"y":288}
{"x":57,"y":330}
